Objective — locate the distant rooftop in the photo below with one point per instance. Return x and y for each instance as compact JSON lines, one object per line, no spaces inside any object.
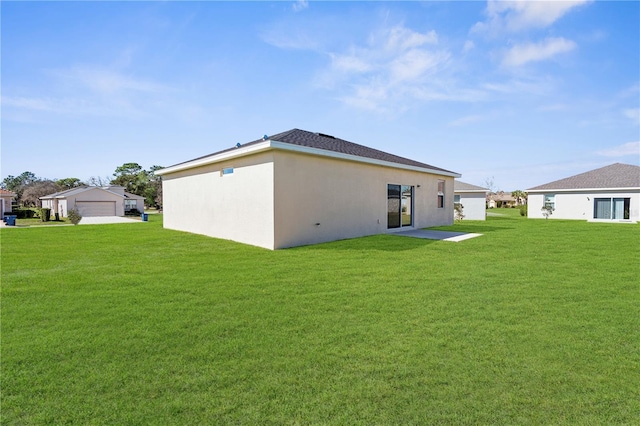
{"x":616,"y":175}
{"x":459,"y":186}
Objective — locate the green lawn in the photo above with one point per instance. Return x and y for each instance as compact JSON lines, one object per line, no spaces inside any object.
{"x":535,"y":322}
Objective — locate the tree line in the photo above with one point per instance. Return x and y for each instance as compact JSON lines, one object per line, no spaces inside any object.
{"x":29,"y":188}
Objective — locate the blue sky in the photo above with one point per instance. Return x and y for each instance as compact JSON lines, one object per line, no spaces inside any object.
{"x":521,"y":92}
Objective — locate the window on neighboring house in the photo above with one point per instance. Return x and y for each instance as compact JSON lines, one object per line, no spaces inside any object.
{"x":550,"y":201}
{"x":130,"y":205}
{"x":456,"y":200}
{"x":227,"y":171}
{"x":440,"y":194}
{"x":611,"y":208}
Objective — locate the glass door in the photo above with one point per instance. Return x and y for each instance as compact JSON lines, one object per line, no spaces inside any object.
{"x":393,"y":206}
{"x":399,"y":206}
{"x":407,"y":205}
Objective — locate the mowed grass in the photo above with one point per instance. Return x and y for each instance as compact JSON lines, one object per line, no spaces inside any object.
{"x":535,"y":322}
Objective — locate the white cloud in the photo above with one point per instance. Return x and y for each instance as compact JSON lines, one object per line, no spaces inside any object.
{"x":86,"y":91}
{"x":516,"y":16}
{"x":633,"y":114}
{"x":350,"y":63}
{"x":106,"y":81}
{"x":412,"y":65}
{"x":300,"y":5}
{"x":36,"y":104}
{"x":463,"y":121}
{"x":521,"y":54}
{"x":395,"y":63}
{"x":400,"y":38}
{"x":627,"y":149}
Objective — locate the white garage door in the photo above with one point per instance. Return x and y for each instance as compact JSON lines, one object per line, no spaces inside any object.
{"x":96,"y":208}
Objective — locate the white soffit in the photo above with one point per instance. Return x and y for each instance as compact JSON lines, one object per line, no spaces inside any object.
{"x":270,"y":144}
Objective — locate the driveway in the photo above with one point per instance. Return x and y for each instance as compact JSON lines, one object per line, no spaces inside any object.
{"x":102,"y":220}
{"x":437,"y":235}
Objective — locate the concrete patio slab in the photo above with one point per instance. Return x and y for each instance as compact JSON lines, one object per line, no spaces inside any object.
{"x":102,"y":220}
{"x":437,"y":235}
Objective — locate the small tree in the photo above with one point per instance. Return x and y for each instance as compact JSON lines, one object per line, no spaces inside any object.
{"x":32,"y":192}
{"x":74,"y":216}
{"x":547,"y":211}
{"x":69,"y":183}
{"x":458,"y":209}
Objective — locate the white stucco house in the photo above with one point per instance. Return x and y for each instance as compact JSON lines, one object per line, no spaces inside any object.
{"x":473,"y":199}
{"x":6,"y":197}
{"x":93,"y":201}
{"x":298,"y":187}
{"x":607,"y":194}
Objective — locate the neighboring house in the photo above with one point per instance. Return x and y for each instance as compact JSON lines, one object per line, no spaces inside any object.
{"x":472,"y":198}
{"x":500,"y":200}
{"x":6,"y":197}
{"x":94,"y":201}
{"x":299,"y":187}
{"x":610,"y":193}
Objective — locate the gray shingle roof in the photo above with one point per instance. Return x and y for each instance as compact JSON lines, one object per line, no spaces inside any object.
{"x":616,"y":175}
{"x":463,"y":186}
{"x":331,"y":143}
{"x":74,"y":191}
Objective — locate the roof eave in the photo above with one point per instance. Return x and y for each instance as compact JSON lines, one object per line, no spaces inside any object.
{"x":632,"y":188}
{"x":216,"y":158}
{"x":350,"y":157}
{"x":284,"y":146}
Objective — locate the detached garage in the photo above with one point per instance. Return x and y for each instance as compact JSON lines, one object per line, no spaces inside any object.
{"x":91,"y":201}
{"x":96,"y":208}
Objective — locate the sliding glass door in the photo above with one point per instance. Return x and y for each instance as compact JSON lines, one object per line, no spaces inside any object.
{"x":611,"y":208}
{"x":399,"y":206}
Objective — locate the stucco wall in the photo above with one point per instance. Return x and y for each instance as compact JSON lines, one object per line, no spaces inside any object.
{"x":6,"y":204}
{"x":579,"y":205}
{"x":474,"y":205}
{"x":237,"y":206}
{"x":347,"y":199}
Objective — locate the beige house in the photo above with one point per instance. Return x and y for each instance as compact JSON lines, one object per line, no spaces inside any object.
{"x":94,"y":201}
{"x":6,"y":197}
{"x":607,"y":194}
{"x":299,"y":187}
{"x":501,"y":199}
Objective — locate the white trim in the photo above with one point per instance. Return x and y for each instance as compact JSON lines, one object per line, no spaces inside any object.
{"x":212,"y":159}
{"x":269,"y":144}
{"x":543,"y":191}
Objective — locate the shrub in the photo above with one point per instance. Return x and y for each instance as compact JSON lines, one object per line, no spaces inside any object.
{"x":22,"y":213}
{"x":74,"y":216}
{"x":523,"y":210}
{"x":45,"y":214}
{"x":458,"y":211}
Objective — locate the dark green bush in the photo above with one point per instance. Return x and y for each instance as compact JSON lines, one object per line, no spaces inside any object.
{"x":523,"y":210}
{"x":45,"y":214}
{"x":74,"y":216}
{"x":23,"y":213}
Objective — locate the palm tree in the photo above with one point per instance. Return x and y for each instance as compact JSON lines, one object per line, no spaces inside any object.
{"x":520,"y":196}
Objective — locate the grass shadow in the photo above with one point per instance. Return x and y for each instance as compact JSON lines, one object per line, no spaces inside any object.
{"x":380,"y":243}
